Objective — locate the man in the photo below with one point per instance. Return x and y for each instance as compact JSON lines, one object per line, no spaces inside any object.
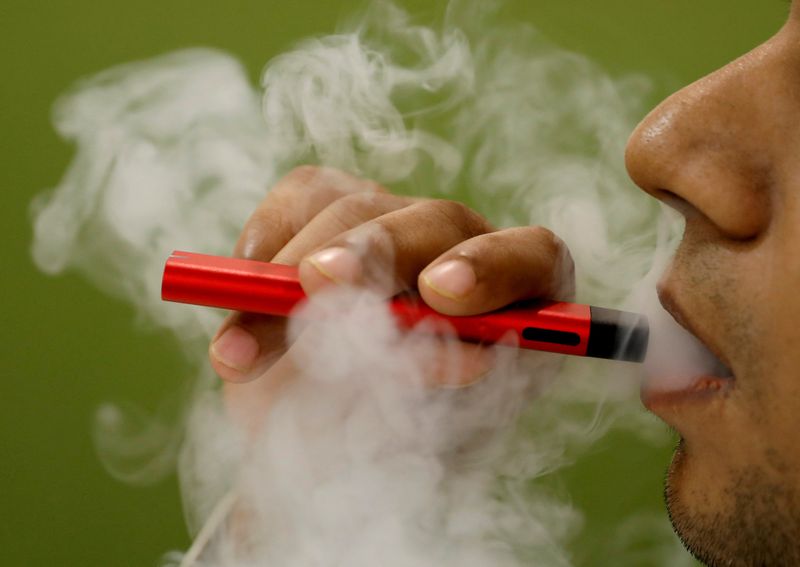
{"x":723,"y":152}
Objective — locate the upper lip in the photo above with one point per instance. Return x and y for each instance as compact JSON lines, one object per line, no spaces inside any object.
{"x":668,"y":300}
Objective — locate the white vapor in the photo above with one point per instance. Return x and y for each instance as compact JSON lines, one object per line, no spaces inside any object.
{"x":358,"y":462}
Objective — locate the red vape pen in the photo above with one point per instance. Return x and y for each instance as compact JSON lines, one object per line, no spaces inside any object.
{"x":274,"y":289}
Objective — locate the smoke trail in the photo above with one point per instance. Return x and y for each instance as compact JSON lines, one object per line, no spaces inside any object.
{"x":357,"y":462}
{"x":170,"y":152}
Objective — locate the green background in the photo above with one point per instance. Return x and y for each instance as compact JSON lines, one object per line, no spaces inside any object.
{"x":66,"y":348}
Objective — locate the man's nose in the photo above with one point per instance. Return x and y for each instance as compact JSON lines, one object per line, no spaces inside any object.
{"x":713,"y":148}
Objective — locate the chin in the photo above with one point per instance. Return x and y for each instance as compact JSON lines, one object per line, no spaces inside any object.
{"x":679,"y":510}
{"x":742,"y":519}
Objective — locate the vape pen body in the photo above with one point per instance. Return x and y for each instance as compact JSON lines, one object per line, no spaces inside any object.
{"x":274,"y":289}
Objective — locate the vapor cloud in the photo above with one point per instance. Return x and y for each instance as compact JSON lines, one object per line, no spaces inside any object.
{"x":358,"y":462}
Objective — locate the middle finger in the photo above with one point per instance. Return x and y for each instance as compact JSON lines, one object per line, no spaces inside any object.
{"x":389,"y":252}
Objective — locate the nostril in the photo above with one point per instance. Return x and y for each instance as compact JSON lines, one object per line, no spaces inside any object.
{"x":677,"y":203}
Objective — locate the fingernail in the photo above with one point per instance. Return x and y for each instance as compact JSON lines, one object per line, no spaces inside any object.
{"x":236,"y":348}
{"x":337,"y":264}
{"x":454,"y":279}
{"x":464,"y":383}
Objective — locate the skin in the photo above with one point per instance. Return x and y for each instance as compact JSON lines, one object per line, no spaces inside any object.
{"x":723,"y":152}
{"x":342,"y":230}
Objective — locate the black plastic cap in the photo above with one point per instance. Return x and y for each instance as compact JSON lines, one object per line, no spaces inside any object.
{"x":618,"y":335}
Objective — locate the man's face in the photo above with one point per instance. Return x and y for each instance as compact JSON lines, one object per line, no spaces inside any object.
{"x":725,"y":152}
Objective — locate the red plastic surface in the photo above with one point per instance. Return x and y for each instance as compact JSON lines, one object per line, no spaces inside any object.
{"x":274,"y":289}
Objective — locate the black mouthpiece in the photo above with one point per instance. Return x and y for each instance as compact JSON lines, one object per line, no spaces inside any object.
{"x":618,"y":335}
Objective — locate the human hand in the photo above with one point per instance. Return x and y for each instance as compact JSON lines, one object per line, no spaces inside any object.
{"x":340,"y":229}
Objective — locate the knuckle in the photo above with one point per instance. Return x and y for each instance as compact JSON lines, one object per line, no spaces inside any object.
{"x":357,"y":201}
{"x":375,"y":239}
{"x":352,"y":209}
{"x":301,"y":174}
{"x":319,"y":180}
{"x":275,"y":218}
{"x":556,"y":250}
{"x":300,"y":179}
{"x":357,"y":208}
{"x":459,"y":215}
{"x":545,"y":238}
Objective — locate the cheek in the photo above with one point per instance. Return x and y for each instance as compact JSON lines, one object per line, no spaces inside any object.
{"x":779,"y":312}
{"x":777,"y":266}
{"x":761,"y":307}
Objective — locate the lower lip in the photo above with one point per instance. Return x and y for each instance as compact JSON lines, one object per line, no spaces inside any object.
{"x":698,"y":390}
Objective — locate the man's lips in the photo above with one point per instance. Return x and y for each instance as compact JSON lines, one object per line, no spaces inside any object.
{"x":683,"y":364}
{"x":697,"y":390}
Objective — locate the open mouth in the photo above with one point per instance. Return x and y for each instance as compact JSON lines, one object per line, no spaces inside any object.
{"x":683,"y":363}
